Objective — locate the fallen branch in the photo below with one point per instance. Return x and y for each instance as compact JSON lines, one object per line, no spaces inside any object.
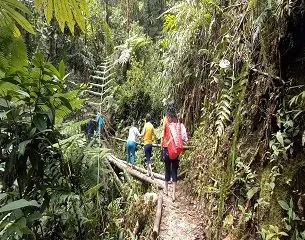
{"x":182,"y":175}
{"x":267,"y":74}
{"x":134,"y":172}
{"x":154,"y":145}
{"x":157,"y":221}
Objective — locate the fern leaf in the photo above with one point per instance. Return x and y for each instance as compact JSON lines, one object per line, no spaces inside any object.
{"x":18,"y":5}
{"x":48,"y":11}
{"x":78,"y":15}
{"x":8,"y":12}
{"x":124,"y":56}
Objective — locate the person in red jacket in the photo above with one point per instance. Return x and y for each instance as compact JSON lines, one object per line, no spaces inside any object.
{"x":171,"y":165}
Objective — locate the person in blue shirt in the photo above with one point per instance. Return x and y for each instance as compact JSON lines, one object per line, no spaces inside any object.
{"x":100,"y":124}
{"x":90,"y":128}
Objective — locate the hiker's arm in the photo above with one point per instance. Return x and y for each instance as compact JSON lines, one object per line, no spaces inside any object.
{"x":163,"y":131}
{"x":154,"y":133}
{"x":138,"y":133}
{"x":143,"y":131}
{"x":184,"y":133}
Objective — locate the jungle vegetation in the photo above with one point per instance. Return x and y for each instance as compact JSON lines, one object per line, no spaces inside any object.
{"x":235,"y":71}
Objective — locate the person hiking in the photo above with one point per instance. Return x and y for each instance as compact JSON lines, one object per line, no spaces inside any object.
{"x":171,"y":160}
{"x":183,"y":134}
{"x":100,"y":124}
{"x":131,"y":144}
{"x":90,"y":128}
{"x":148,"y":133}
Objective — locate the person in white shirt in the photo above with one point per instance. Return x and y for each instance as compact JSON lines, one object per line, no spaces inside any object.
{"x":131,"y":144}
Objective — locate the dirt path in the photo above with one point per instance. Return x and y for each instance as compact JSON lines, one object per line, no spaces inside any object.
{"x":181,"y":220}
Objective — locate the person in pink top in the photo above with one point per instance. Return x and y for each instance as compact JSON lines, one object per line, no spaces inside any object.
{"x":171,"y":165}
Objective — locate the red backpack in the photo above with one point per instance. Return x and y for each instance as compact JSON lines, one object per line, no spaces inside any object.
{"x":175,"y":143}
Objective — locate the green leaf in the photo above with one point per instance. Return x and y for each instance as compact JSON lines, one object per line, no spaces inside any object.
{"x":251,"y":192}
{"x":34,"y":216}
{"x":18,"y":204}
{"x":53,"y":69}
{"x":279,"y":137}
{"x":3,"y":115}
{"x":18,"y":5}
{"x":3,"y":195}
{"x":32,"y":132}
{"x":270,"y":236}
{"x":61,"y":69}
{"x":229,"y":220}
{"x":23,"y":93}
{"x":20,"y":19}
{"x":40,"y":122}
{"x":4,"y":103}
{"x":283,"y":205}
{"x":283,"y":234}
{"x":66,"y":103}
{"x":22,"y":146}
{"x":48,"y":11}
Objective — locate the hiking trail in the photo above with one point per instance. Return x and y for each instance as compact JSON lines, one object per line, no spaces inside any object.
{"x":182,"y":219}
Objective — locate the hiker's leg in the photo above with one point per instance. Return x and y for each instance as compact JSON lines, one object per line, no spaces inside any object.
{"x":146,"y":158}
{"x":148,"y":150}
{"x":166,"y":187}
{"x":167,"y":165}
{"x":133,"y":152}
{"x":128,"y":152}
{"x":175,"y":165}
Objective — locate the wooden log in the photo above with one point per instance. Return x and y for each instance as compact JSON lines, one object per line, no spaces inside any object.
{"x":142,"y":170}
{"x":157,"y":221}
{"x":156,"y":175}
{"x":154,"y":145}
{"x":135,"y":173}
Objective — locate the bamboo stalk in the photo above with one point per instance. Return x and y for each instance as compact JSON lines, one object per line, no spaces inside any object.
{"x":157,"y":221}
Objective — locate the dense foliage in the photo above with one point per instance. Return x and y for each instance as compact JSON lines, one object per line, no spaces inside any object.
{"x":234,"y":69}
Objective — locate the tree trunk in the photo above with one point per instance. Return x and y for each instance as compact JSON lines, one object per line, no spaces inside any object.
{"x":157,"y":221}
